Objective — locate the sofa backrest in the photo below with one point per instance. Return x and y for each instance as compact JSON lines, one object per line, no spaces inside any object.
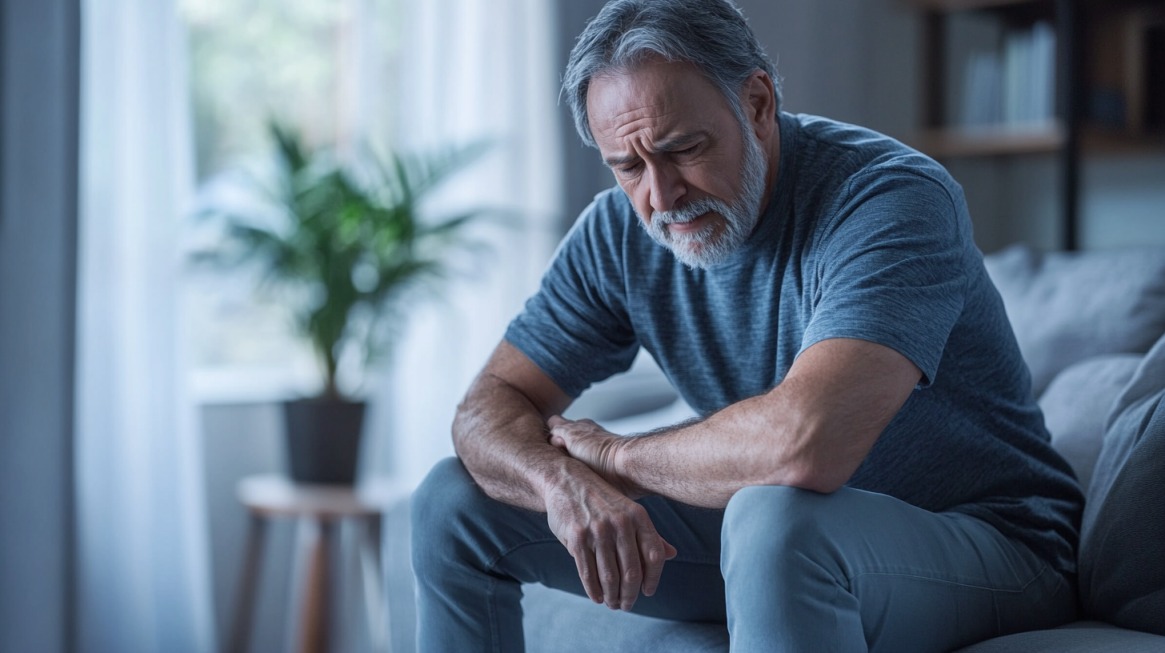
{"x":1066,"y":307}
{"x":1078,"y":401}
{"x":1083,"y":320}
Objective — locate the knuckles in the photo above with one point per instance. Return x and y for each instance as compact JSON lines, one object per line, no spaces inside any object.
{"x":576,"y":536}
{"x":654,"y":555}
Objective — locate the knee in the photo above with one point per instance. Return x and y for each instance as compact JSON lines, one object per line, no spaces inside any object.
{"x":767,"y":526}
{"x":773,"y":511}
{"x":440,"y":508}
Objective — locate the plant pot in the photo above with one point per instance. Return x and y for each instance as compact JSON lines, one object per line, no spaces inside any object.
{"x":323,"y":440}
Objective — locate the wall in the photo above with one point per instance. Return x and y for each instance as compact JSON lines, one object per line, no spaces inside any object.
{"x":1123,"y":201}
{"x":39,"y":84}
{"x":583,"y":172}
{"x":851,"y":60}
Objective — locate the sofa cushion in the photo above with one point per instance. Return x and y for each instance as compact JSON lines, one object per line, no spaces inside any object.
{"x":1076,"y":404}
{"x":1079,"y":637}
{"x":558,"y":622}
{"x":1122,"y":543}
{"x":1066,"y":307}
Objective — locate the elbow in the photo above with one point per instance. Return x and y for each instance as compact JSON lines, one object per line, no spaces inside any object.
{"x":466,"y":419}
{"x":458,"y":428}
{"x":815,"y":478}
{"x":822,"y":484}
{"x":812,"y":456}
{"x":814,"y":466}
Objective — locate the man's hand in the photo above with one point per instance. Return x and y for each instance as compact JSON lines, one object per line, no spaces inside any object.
{"x":500,"y":435}
{"x":612,"y":540}
{"x":587,"y":441}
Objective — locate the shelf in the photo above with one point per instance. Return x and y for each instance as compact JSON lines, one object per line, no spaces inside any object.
{"x":1116,"y":142}
{"x":970,"y":142}
{"x":999,"y":140}
{"x":1100,"y":51}
{"x":952,"y":6}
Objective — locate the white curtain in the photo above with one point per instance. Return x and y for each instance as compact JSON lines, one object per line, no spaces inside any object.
{"x":142,"y":555}
{"x":469,"y":70}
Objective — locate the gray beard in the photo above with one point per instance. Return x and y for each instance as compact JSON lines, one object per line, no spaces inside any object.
{"x":704,"y":248}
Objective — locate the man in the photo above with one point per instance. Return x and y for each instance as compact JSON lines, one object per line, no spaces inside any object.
{"x":870,"y":471}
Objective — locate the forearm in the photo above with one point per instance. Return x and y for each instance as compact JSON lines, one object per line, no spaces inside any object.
{"x":500,"y":437}
{"x":704,"y":463}
{"x":812,"y":431}
{"x":500,"y":433}
{"x":701,"y":462}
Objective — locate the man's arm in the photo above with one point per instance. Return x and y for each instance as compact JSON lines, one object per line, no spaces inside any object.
{"x":811,"y":431}
{"x":500,"y":435}
{"x":499,"y":430}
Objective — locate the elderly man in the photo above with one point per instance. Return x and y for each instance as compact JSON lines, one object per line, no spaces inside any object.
{"x":870,"y":471}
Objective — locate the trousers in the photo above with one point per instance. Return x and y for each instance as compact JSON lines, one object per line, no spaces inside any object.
{"x":785,"y":569}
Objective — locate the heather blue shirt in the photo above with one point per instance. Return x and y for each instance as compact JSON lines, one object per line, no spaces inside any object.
{"x":862,"y":238}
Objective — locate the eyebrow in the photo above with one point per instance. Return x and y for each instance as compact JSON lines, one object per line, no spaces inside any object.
{"x":669,"y":144}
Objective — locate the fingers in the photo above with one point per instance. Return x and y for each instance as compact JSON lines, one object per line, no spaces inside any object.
{"x":631,"y":569}
{"x":617,"y":551}
{"x":556,"y":439}
{"x":621,"y":567}
{"x":642,"y":553}
{"x":615,"y":567}
{"x":654,"y":551}
{"x":609,"y":576}
{"x":584,"y":560}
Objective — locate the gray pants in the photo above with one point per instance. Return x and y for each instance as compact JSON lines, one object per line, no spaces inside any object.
{"x":786,"y":569}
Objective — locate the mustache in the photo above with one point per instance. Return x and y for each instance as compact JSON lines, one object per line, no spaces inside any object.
{"x":689,"y":212}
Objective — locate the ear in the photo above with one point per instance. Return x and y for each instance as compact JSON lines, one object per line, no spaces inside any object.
{"x":759,"y":100}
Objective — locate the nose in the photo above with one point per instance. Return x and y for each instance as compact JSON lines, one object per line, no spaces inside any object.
{"x":666,"y":187}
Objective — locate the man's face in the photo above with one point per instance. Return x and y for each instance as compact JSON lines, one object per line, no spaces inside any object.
{"x":693,"y":172}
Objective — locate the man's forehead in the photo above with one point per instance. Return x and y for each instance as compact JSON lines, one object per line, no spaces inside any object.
{"x":661,"y":100}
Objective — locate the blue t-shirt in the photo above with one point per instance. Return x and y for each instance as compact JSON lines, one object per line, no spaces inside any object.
{"x":862,"y":238}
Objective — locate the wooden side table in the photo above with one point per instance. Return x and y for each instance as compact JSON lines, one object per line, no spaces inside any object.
{"x":318,"y":509}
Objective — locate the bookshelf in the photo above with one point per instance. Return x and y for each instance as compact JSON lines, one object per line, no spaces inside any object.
{"x":1066,"y":78}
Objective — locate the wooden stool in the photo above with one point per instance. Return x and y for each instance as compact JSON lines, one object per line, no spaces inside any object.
{"x":318,"y":509}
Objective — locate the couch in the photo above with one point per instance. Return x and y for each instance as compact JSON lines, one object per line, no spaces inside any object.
{"x":1092,"y":329}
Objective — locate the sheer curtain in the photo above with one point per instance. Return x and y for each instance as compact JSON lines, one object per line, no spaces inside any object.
{"x":473,"y":70}
{"x":142,"y":551}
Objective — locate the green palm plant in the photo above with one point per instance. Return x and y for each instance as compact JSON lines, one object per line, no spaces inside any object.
{"x":346,"y":241}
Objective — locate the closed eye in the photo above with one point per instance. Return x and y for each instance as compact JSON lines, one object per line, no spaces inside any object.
{"x":629,"y":169}
{"x":683,"y":145}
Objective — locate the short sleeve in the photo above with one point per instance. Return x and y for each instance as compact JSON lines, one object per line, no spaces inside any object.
{"x":576,"y":328}
{"x":891,"y":268}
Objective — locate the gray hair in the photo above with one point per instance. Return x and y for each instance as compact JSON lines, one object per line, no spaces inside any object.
{"x":711,"y":34}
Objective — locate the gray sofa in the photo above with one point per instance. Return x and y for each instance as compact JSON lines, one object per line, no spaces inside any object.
{"x":1092,"y":328}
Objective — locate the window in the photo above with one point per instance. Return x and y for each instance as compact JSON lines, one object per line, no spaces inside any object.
{"x":323,"y":67}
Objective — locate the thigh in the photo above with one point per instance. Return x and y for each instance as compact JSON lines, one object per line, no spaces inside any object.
{"x":955,"y":580}
{"x":917,"y":580}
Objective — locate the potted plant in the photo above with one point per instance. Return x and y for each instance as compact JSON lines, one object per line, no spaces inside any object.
{"x":343,"y":243}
